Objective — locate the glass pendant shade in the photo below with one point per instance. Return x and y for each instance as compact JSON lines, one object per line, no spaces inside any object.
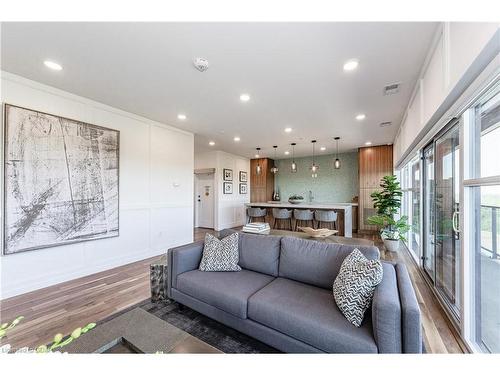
{"x":274,"y":169}
{"x":337,"y":163}
{"x":293,"y":167}
{"x":314,"y":167}
{"x":258,"y":168}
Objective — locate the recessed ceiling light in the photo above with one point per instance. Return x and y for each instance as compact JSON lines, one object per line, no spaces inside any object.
{"x":52,"y":65}
{"x":323,"y":148}
{"x":360,"y":117}
{"x":351,"y":65}
{"x":287,"y":152}
{"x":236,"y":139}
{"x":181,"y":116}
{"x":211,"y":143}
{"x":288,"y":130}
{"x":368,"y":143}
{"x":244,"y":97}
{"x":257,"y":156}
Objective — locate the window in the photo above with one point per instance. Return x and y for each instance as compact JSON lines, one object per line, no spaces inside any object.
{"x":410,"y":203}
{"x":482,"y":197}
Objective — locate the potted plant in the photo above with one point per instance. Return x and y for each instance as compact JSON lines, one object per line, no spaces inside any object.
{"x":387,"y":203}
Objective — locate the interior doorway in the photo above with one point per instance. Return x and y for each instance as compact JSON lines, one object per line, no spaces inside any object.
{"x":204,"y":200}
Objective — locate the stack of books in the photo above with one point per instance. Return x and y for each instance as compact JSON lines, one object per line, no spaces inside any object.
{"x":258,"y":228}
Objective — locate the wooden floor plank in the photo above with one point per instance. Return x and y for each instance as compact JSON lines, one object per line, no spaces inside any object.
{"x":65,"y":306}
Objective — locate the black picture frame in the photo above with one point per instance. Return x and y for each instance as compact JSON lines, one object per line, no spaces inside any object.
{"x":227,"y":188}
{"x":243,"y":188}
{"x":227,"y":174}
{"x":243,"y":176}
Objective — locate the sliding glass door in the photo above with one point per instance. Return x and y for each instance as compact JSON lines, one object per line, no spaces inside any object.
{"x":441,"y":258}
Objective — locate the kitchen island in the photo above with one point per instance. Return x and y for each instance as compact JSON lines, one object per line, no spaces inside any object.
{"x":344,"y":211}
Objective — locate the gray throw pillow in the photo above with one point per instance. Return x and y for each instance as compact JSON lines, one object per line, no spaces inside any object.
{"x":355,"y":284}
{"x":220,"y":255}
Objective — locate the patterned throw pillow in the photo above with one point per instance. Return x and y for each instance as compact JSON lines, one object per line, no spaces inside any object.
{"x":220,"y":255}
{"x":355,"y":284}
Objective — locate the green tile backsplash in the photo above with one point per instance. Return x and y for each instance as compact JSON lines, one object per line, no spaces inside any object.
{"x":331,"y":185}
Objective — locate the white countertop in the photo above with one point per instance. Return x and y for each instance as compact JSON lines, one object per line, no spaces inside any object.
{"x":317,"y":205}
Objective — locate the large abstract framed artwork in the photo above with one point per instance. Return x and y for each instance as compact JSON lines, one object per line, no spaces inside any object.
{"x":60,"y":180}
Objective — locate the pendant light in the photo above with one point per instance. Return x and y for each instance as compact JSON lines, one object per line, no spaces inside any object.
{"x":293,"y":167}
{"x":336,"y":164}
{"x":314,"y":167}
{"x":258,"y":168}
{"x":274,"y":169}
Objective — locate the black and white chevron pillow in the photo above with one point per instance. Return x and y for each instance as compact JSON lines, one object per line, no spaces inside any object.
{"x":355,"y":284}
{"x":220,"y":255}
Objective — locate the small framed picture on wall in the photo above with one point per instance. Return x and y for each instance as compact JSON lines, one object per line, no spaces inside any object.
{"x":228,"y":188}
{"x":228,"y":174}
{"x":243,"y":189}
{"x":243,"y":176}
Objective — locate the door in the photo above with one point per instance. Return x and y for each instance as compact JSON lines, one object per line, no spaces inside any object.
{"x":204,"y":200}
{"x":447,"y":241}
{"x":429,"y":234}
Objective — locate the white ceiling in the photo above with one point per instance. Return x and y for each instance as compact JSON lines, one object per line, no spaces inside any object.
{"x":293,"y":72}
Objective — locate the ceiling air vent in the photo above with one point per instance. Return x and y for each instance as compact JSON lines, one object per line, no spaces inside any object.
{"x":385,"y":124}
{"x":391,"y":89}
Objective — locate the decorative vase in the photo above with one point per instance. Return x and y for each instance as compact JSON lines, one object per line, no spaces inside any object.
{"x":391,"y":245}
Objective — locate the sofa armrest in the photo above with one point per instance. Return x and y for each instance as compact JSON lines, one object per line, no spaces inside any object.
{"x":386,"y":312}
{"x":182,"y":259}
{"x":411,"y":324}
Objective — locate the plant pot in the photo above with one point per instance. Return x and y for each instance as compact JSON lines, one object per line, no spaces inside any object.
{"x":391,"y":245}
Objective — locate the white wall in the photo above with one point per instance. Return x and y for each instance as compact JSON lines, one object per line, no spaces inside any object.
{"x":456,"y":48}
{"x":229,"y":208}
{"x":154,"y":214}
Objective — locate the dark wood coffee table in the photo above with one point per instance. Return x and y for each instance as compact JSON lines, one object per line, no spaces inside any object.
{"x":138,"y":331}
{"x":330,"y":239}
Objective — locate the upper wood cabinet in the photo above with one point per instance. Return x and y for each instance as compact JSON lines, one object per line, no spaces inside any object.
{"x":262,"y":185}
{"x":374,"y":163}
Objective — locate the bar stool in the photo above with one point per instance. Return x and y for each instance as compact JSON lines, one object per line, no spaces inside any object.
{"x":303,"y":217}
{"x":256,"y":214}
{"x":326,"y":218}
{"x":282,"y":216}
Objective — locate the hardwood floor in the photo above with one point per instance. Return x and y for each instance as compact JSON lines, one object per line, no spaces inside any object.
{"x":65,"y":306}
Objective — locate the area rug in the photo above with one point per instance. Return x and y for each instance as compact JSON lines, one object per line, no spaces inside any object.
{"x":208,"y":330}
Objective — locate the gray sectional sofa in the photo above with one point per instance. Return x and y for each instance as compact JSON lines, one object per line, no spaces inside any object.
{"x":283,"y":297}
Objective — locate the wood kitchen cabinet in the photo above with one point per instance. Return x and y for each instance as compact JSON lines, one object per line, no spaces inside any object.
{"x":262,"y":185}
{"x":374,"y":163}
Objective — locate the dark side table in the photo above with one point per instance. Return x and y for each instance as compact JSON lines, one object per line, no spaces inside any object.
{"x":158,"y":277}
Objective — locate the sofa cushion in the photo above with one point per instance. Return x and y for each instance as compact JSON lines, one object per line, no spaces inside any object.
{"x":260,"y":253}
{"x":314,"y":262}
{"x":309,"y":314}
{"x":220,"y":255}
{"x":355,"y":284}
{"x":228,"y":291}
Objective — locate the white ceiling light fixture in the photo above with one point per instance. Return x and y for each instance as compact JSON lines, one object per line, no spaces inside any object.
{"x":52,"y":65}
{"x":288,"y":130}
{"x":351,"y":65}
{"x":211,"y":143}
{"x":323,"y":148}
{"x":236,"y":139}
{"x":368,"y":143}
{"x":360,"y":117}
{"x":287,"y":152}
{"x":244,"y":97}
{"x":181,"y":116}
{"x":200,"y":64}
